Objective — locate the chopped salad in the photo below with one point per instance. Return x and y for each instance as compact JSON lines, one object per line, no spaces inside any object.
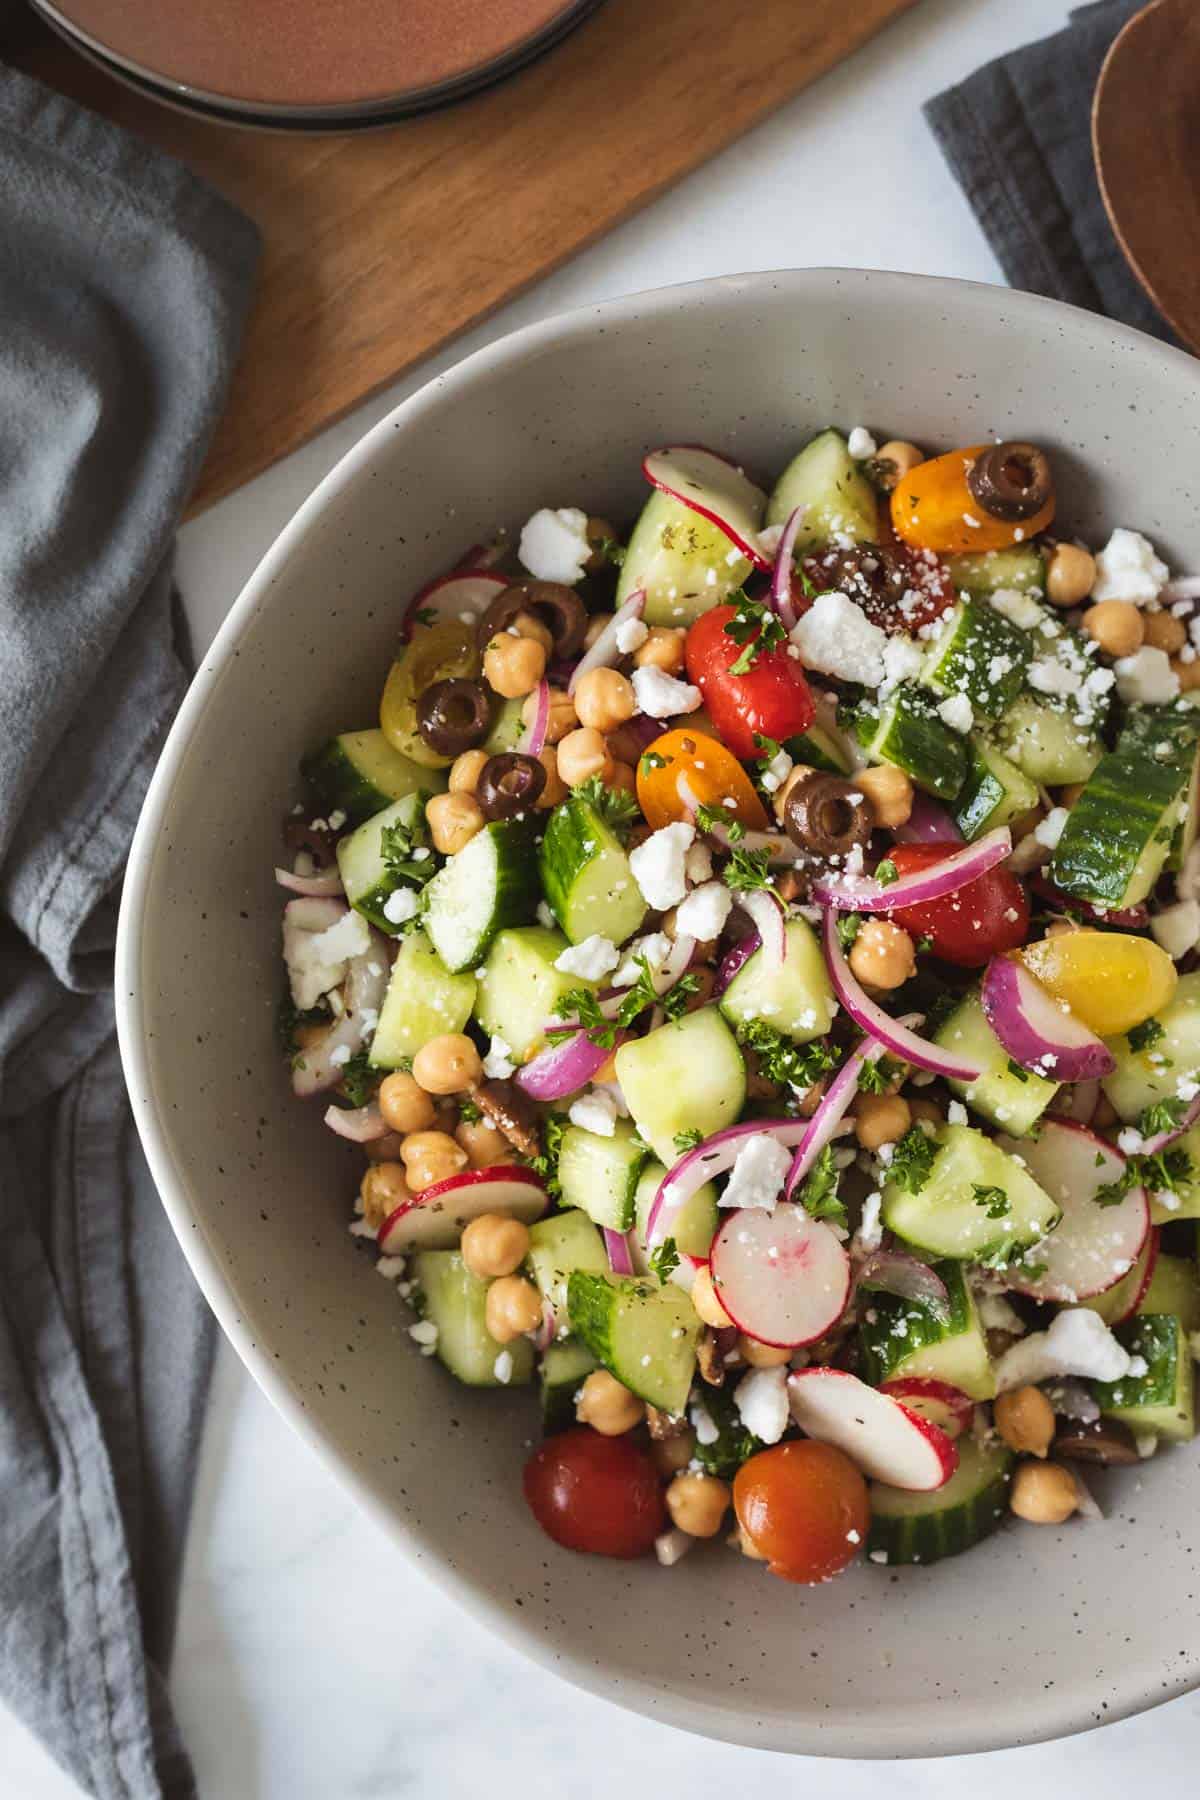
{"x":755,"y":955}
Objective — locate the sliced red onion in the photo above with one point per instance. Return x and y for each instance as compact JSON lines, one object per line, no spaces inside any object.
{"x":780,"y":849}
{"x":532,"y":740}
{"x":326,"y":884}
{"x":862,"y":893}
{"x":1127,"y":918}
{"x":361,"y":1124}
{"x":1183,"y":587}
{"x":781,"y":575}
{"x":604,"y":652}
{"x":733,"y":960}
{"x":894,"y":1272}
{"x":543,"y":1337}
{"x":928,"y":823}
{"x":674,"y":965}
{"x":563,"y":1069}
{"x":895,"y":1036}
{"x":766,"y":911}
{"x":1161,"y":1139}
{"x":715,"y":1156}
{"x":362,"y":996}
{"x":1035,"y":1029}
{"x":831,"y":1110}
{"x":617,"y":1246}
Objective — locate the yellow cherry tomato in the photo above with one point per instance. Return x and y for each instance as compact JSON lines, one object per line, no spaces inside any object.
{"x":1110,"y":980}
{"x":932,"y":504}
{"x":713,"y":774}
{"x":433,"y":653}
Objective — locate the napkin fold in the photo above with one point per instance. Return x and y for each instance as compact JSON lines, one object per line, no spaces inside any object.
{"x":125,"y":283}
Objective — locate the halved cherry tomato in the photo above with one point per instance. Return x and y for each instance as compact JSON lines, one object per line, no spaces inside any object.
{"x":804,"y":1506}
{"x":600,"y":1494}
{"x":899,"y":589}
{"x":771,"y":699}
{"x":933,"y":508}
{"x":967,"y":928}
{"x":713,"y":773}
{"x":1111,"y":980}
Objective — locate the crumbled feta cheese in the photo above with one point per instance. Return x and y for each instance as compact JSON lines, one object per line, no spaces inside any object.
{"x":661,"y":695}
{"x":758,"y":1174}
{"x":861,"y":444}
{"x":425,"y":1333}
{"x":401,"y":906}
{"x":777,"y":771}
{"x":1128,"y":569}
{"x":654,"y":948}
{"x":762,"y":1403}
{"x":594,"y":1112}
{"x":554,"y":544}
{"x":998,"y":1314}
{"x":956,"y":713}
{"x":1146,"y":676}
{"x":498,"y":1063}
{"x":1131,"y":1141}
{"x":703,"y":913}
{"x":1050,"y":676}
{"x":591,"y":959}
{"x":703,"y":1424}
{"x":1177,"y":928}
{"x":903,"y":660}
{"x":1047,"y":831}
{"x":877,"y":1556}
{"x":631,"y":635}
{"x":339,"y":1056}
{"x":317,"y":960}
{"x":658,"y":864}
{"x":545,"y":916}
{"x":836,"y":637}
{"x":869,"y":1235}
{"x":956,"y":1113}
{"x":698,"y":863}
{"x":502,"y":1368}
{"x":337,"y":819}
{"x":1021,"y":608}
{"x":1077,"y":1342}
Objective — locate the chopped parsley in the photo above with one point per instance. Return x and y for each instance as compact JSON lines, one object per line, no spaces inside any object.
{"x":468,"y":1113}
{"x":768,"y":747}
{"x":546,"y":1165}
{"x":1164,"y":1172}
{"x":688,"y":1140}
{"x":289,"y":1019}
{"x":674,"y":1002}
{"x":397,"y":846}
{"x":582,"y":1004}
{"x":756,"y":628}
{"x":359,"y":1080}
{"x":779,"y":1059}
{"x":425,"y":615}
{"x":912,"y":1160}
{"x":886,"y":872}
{"x":818,"y":1193}
{"x":1016,"y":1071}
{"x":651,"y":759}
{"x":848,"y":927}
{"x":1145,"y":1035}
{"x":994,"y":1201}
{"x":1163,"y":1115}
{"x":610,"y":550}
{"x":747,"y":869}
{"x":720,"y":819}
{"x":617,"y":808}
{"x":664,"y":1259}
{"x":877,"y":1077}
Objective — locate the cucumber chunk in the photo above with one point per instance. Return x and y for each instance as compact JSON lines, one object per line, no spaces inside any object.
{"x":1047,"y":743}
{"x":586,"y":876}
{"x":796,"y":998}
{"x":981,"y":573}
{"x":491,"y":883}
{"x":599,"y":1175}
{"x":508,"y":727}
{"x":367,"y":876}
{"x":686,"y":1076}
{"x":821,"y":749}
{"x":1118,"y":834}
{"x":359,"y":773}
{"x":456,"y":1302}
{"x":1163,"y":1399}
{"x":908,"y":733}
{"x":1183,"y":1200}
{"x":840,"y":501}
{"x":956,"y":1213}
{"x":423,"y":1001}
{"x":695,"y":1224}
{"x":923,"y":1528}
{"x":671,"y":555}
{"x":557,"y":1245}
{"x":643,"y":1334}
{"x":1174,"y":1289}
{"x":1009,"y":1096}
{"x":565,"y":1367}
{"x":994,"y":792}
{"x":519,"y":987}
{"x":903,"y":1337}
{"x":979,"y":653}
{"x":1137,"y":1082}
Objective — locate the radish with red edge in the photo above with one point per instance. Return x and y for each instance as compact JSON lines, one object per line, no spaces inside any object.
{"x":434,"y":1219}
{"x":943,"y":1405}
{"x":1093,"y":1246}
{"x":896,"y":1272}
{"x":1159,"y":1140}
{"x":1037,"y":1030}
{"x":715,"y":488}
{"x":863,"y":893}
{"x":782,"y":1276}
{"x":887,"y":1439}
{"x":1119,"y":1303}
{"x":462,"y":597}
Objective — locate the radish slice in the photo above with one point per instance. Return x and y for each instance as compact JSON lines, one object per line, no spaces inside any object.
{"x":895,"y":1272}
{"x":862,"y":893}
{"x":716,"y":489}
{"x":766,"y":911}
{"x":887,"y":1439}
{"x":434,"y":1220}
{"x":782,"y":1276}
{"x":562,"y":1069}
{"x":928,"y":823}
{"x":945,"y":1406}
{"x":462,"y":597}
{"x":605,"y":651}
{"x":617,"y":1246}
{"x":781,"y":577}
{"x":326,"y":885}
{"x":532,"y":740}
{"x":1092,"y":1247}
{"x":895,"y":1035}
{"x":1160,"y":1139}
{"x":829,"y":1114}
{"x":1036,"y":1030}
{"x":732,"y":961}
{"x":360,"y":1124}
{"x":715,"y":1156}
{"x":1082,"y":1099}
{"x":1121,"y":1303}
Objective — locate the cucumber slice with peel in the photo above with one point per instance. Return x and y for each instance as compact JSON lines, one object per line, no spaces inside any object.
{"x":907,"y":733}
{"x":359,"y":773}
{"x":899,"y":1338}
{"x":1119,"y":832}
{"x":643,"y":1333}
{"x":1003,"y":1093}
{"x":1174,"y":1288}
{"x":979,"y":653}
{"x":795,"y":998}
{"x":456,"y":1302}
{"x":975,"y":1202}
{"x":1162,"y":1400}
{"x":586,"y":876}
{"x":490,"y":883}
{"x":558,"y":1245}
{"x":1047,"y":743}
{"x":994,"y":792}
{"x":565,"y":1367}
{"x":686,"y":1076}
{"x":519,"y":987}
{"x":684,"y":564}
{"x":923,"y":1528}
{"x":694,"y":1225}
{"x":840,"y":503}
{"x":366,"y":875}
{"x":980,"y":573}
{"x":1137,"y":1082}
{"x":423,"y":1001}
{"x":599,"y":1175}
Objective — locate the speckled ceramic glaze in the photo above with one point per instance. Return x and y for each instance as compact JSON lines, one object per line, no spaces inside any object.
{"x":1037,"y":1633}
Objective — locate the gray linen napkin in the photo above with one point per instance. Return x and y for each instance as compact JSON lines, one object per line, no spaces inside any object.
{"x":123,"y":288}
{"x":1017,"y":135}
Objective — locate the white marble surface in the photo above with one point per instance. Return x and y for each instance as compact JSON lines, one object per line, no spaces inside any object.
{"x":312,"y":1662}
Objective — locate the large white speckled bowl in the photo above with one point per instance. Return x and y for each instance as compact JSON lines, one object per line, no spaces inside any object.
{"x":1037,"y":1633}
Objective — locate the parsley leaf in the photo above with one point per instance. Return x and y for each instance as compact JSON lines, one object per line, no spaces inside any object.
{"x":546,"y":1165}
{"x":687,"y":1140}
{"x":468,"y":1113}
{"x":733,"y":1444}
{"x":818,"y":1193}
{"x":994,"y":1201}
{"x":1164,"y":1172}
{"x":651,"y":759}
{"x":289,"y":1019}
{"x":886,"y":872}
{"x":848,"y":927}
{"x":425,"y":615}
{"x":664,"y":1259}
{"x":720,"y":819}
{"x":398,"y":844}
{"x":610,"y":550}
{"x":912,"y":1160}
{"x":877,"y":1077}
{"x":779,"y":1059}
{"x":614,"y":806}
{"x":1145,"y":1035}
{"x":1163,"y":1115}
{"x":359,"y":1080}
{"x":747,"y":869}
{"x":581,"y":1005}
{"x":756,"y":628}
{"x":1016,"y":1071}
{"x":674,"y":1001}
{"x":768,"y":747}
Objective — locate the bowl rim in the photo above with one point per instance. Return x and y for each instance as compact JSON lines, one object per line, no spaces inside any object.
{"x":1061,"y":1712}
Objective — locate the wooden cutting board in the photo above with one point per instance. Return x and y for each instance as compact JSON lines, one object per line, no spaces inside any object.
{"x":381,"y":247}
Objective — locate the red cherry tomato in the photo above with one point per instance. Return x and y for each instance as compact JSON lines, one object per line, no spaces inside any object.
{"x":771,"y":699}
{"x":595,"y":1493}
{"x":899,"y":589}
{"x":804,"y":1507}
{"x":969,"y":927}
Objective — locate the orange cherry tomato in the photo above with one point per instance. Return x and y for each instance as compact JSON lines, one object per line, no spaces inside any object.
{"x":713,"y":774}
{"x":804,"y":1507}
{"x":932,"y":505}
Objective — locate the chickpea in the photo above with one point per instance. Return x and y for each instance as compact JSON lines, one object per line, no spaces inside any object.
{"x":599,"y":531}
{"x":707,"y":1302}
{"x":561,"y":719}
{"x":1044,"y":1493}
{"x":513,"y":666}
{"x":453,"y":821}
{"x":894,"y":460}
{"x":662,"y":649}
{"x":1116,"y":626}
{"x":583,"y":754}
{"x":608,"y":1407}
{"x":882,"y":955}
{"x":762,"y":1356}
{"x":598,"y":623}
{"x":890,"y":793}
{"x":527,"y":626}
{"x":513,"y":1307}
{"x":670,"y":1455}
{"x":386,"y":1148}
{"x":1188,"y":674}
{"x":1070,"y":575}
{"x":466,"y":770}
{"x":698,"y":1504}
{"x":1025,"y":1420}
{"x":447,"y":1065}
{"x":926,"y":1112}
{"x":1163,"y":631}
{"x":493,"y":1245}
{"x":604,"y":699}
{"x":555,"y":788}
{"x":430,"y":1157}
{"x":382,"y":1190}
{"x":881,"y":1119}
{"x":404,"y":1103}
{"x":623,"y":777}
{"x":484,"y":1144}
